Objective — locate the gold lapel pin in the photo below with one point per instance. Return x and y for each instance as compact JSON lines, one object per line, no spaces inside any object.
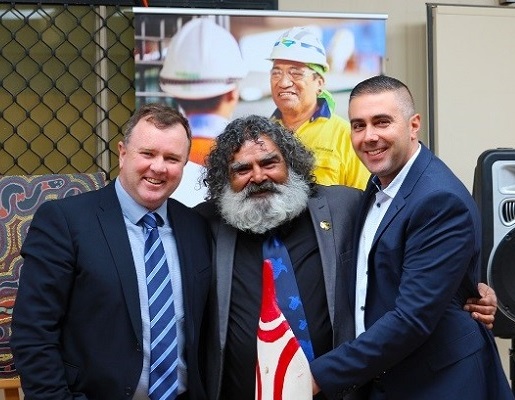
{"x":325,"y":225}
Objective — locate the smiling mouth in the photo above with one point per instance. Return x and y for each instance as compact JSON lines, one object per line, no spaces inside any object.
{"x":375,"y":152}
{"x":259,"y":194}
{"x":154,"y":181}
{"x":262,"y":190}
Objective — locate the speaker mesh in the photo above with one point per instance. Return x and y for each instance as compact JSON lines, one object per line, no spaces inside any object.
{"x":508,"y":212}
{"x":501,"y":275}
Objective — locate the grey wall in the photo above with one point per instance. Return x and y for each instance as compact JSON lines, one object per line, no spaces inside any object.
{"x":406,"y":36}
{"x":473,"y":87}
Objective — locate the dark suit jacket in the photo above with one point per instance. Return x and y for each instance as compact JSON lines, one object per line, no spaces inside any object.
{"x":77,"y":325}
{"x":424,"y":263}
{"x":336,"y":205}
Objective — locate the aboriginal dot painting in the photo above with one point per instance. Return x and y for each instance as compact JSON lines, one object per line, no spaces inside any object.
{"x":20,"y":196}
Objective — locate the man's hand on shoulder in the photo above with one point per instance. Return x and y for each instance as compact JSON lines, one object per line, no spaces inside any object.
{"x":483,"y":309}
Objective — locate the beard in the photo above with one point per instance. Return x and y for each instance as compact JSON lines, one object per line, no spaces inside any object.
{"x":280,"y":203}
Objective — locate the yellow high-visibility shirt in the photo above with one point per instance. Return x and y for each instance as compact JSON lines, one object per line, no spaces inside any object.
{"x":328,"y":136}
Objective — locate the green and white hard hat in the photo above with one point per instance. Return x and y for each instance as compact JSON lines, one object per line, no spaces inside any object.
{"x":203,"y":61}
{"x":302,"y":45}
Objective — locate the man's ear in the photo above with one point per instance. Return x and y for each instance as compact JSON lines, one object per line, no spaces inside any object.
{"x":321,"y":81}
{"x":415,"y":125}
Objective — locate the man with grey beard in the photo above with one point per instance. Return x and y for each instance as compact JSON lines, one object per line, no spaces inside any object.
{"x":261,"y":184}
{"x":260,"y":181}
{"x":245,"y":212}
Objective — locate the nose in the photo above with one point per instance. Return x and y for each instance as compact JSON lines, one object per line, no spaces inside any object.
{"x":285,"y":80}
{"x":258,"y":175}
{"x":158,"y":165}
{"x":370,"y":134}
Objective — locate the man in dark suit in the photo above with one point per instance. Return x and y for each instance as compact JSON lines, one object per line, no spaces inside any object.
{"x":260,"y":181}
{"x":81,"y":325}
{"x":417,"y":260}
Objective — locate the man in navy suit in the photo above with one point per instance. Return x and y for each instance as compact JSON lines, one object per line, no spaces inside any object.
{"x":260,"y":180}
{"x":416,"y":261}
{"x":81,"y":318}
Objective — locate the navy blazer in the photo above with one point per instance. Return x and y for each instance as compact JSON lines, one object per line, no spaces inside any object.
{"x":77,"y":325}
{"x":424,"y":263}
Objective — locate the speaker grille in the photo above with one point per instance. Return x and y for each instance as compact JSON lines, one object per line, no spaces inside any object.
{"x":508,"y":211}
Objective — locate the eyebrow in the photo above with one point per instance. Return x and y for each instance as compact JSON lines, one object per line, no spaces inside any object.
{"x":241,"y":166}
{"x":373,"y":118}
{"x":290,"y":68}
{"x":382,"y":116}
{"x":356,"y":120}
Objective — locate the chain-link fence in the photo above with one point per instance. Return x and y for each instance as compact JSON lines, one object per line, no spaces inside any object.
{"x":66,"y":87}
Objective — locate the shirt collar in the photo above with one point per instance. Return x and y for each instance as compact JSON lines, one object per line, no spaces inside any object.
{"x":393,"y":188}
{"x":134,"y":211}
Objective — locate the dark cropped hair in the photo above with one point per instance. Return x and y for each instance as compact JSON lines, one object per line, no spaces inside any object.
{"x":297,"y":157}
{"x":382,"y":83}
{"x":161,"y":115}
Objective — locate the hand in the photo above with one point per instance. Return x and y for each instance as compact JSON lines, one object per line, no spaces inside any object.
{"x":316,"y":388}
{"x":484,"y":308}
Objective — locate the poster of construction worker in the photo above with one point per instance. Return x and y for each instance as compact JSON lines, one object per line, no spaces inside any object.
{"x":216,"y":65}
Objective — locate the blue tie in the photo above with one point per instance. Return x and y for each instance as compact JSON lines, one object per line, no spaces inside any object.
{"x":163,"y":381}
{"x":287,"y":292}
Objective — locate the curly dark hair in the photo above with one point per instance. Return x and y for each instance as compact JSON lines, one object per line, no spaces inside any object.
{"x":298,"y":158}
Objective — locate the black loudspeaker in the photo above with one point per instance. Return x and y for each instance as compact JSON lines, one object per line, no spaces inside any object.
{"x":494,"y":192}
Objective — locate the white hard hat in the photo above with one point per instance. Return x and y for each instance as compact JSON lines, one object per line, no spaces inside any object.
{"x":302,"y":45}
{"x":203,"y":61}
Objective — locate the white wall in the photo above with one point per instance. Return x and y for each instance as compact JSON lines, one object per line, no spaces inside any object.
{"x":406,"y":35}
{"x":406,"y":51}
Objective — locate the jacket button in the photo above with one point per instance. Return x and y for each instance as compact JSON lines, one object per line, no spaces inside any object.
{"x":128,"y":391}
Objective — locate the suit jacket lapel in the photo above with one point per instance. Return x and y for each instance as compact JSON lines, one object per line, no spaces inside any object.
{"x":180,"y":231}
{"x":225,"y":249}
{"x":322,"y":223}
{"x":414,"y":174}
{"x":368,"y":197}
{"x":113,"y":224}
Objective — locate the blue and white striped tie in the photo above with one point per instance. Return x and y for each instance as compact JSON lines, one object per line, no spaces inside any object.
{"x":163,"y":381}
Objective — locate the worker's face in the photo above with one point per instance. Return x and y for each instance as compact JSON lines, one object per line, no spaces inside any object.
{"x":255,"y":164}
{"x":294,"y":87}
{"x":384,"y":135}
{"x":152,"y":162}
